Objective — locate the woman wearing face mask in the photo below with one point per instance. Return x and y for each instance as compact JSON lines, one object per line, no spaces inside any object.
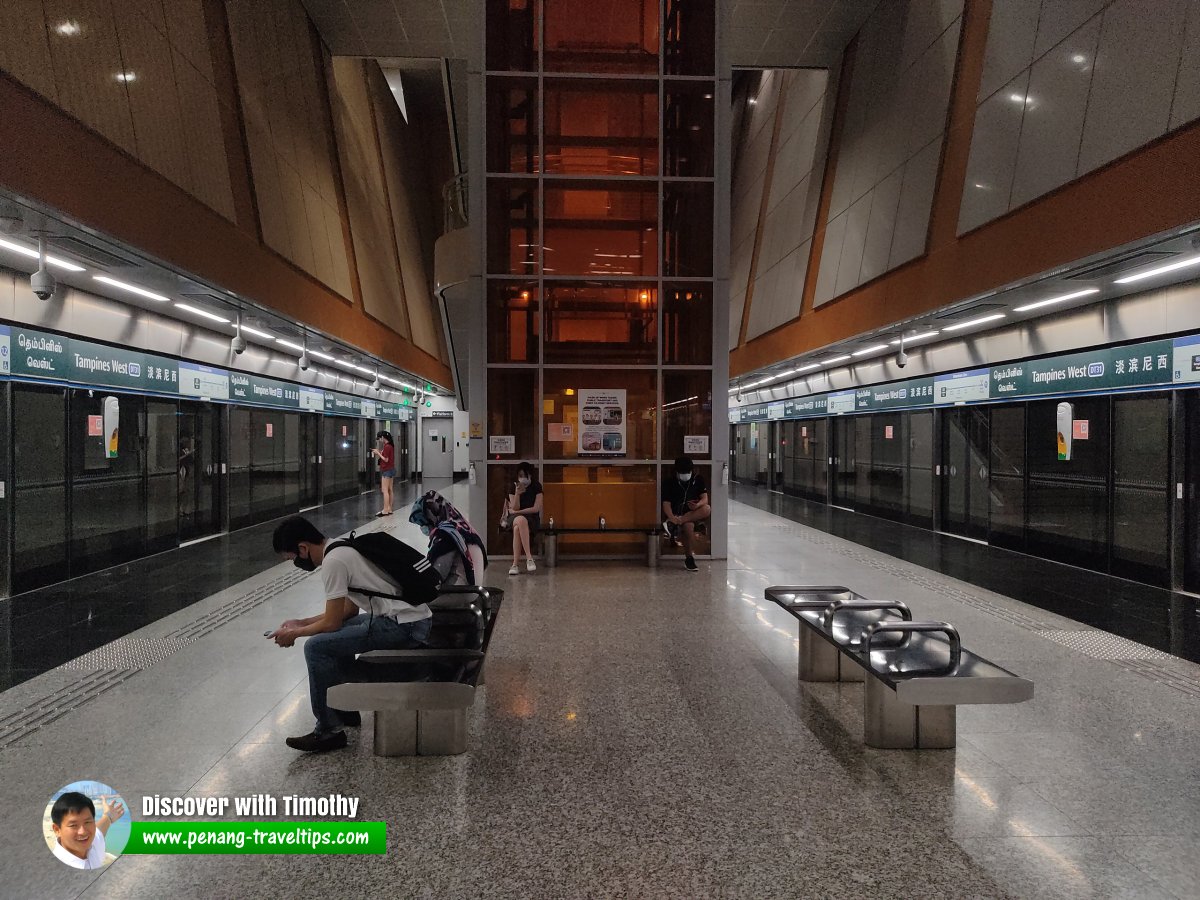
{"x":385,"y":456}
{"x":455,"y":549}
{"x":525,"y":514}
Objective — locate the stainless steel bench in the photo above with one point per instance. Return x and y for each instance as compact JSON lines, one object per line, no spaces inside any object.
{"x":420,"y":696}
{"x":920,"y":671}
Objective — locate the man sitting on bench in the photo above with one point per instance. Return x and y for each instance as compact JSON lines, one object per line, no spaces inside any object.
{"x":684,"y":503}
{"x":352,"y":623}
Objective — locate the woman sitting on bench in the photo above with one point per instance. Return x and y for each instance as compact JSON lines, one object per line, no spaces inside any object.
{"x":525,"y":514}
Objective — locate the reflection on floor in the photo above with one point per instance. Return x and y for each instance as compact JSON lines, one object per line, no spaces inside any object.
{"x":45,"y":628}
{"x":1162,"y":619}
{"x":643,"y":733}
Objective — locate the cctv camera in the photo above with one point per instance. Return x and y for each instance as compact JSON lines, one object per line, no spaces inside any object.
{"x":238,"y":344}
{"x":902,"y":359}
{"x":43,"y":284}
{"x":303,"y":361}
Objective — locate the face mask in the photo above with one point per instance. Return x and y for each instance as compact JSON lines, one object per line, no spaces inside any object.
{"x":306,"y":564}
{"x":425,"y":530}
{"x":523,"y":481}
{"x":685,"y":477}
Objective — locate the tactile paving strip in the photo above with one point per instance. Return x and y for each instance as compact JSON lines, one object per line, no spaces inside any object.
{"x":126,"y":653}
{"x":231,"y":609}
{"x":106,"y":667}
{"x":1102,"y":645}
{"x":915,"y":575}
{"x":44,"y":710}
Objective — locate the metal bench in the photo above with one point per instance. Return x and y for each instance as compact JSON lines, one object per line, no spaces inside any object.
{"x":550,"y":541}
{"x":920,"y":671}
{"x":420,"y":696}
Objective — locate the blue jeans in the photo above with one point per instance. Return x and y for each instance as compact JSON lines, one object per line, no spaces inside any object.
{"x":330,"y":656}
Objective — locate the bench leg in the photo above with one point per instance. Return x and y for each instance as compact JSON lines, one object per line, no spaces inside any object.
{"x":395,"y":732}
{"x":550,"y":550}
{"x":850,"y":671}
{"x":890,"y":724}
{"x":426,"y":732}
{"x":441,"y":732}
{"x":652,"y":540}
{"x":818,"y":658}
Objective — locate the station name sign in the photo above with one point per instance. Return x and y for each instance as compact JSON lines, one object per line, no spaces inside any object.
{"x":1104,"y":370}
{"x":28,"y":353}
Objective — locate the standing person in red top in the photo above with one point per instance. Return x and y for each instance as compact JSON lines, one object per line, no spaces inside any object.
{"x":385,"y":456}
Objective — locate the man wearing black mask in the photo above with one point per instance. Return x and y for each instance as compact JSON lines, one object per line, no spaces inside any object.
{"x":684,"y":504}
{"x":352,"y":623}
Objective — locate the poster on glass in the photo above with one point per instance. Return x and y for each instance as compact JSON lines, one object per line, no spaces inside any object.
{"x":602,"y":422}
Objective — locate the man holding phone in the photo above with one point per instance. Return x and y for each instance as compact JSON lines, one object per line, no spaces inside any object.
{"x":684,"y":503}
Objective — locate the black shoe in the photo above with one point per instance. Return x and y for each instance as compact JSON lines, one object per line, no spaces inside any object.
{"x":689,"y":563}
{"x":351,"y":718}
{"x":318,"y":743}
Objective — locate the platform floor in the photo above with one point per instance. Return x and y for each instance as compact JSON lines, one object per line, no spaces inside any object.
{"x":642,"y":733}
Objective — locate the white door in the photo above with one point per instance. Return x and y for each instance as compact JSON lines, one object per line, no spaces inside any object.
{"x":437,"y":448}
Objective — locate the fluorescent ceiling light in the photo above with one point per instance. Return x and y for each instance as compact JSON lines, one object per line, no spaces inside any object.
{"x":196,"y":311}
{"x":33,"y":254}
{"x":246,"y":329}
{"x":132,"y":288}
{"x":1161,"y":270}
{"x":916,"y":337}
{"x":836,"y":359}
{"x":1061,"y":299}
{"x":867,"y":350}
{"x":289,"y":344}
{"x":967,"y":324}
{"x":809,"y":367}
{"x":319,"y":355}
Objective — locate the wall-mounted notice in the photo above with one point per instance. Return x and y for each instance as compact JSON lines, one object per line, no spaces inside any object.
{"x":502,"y":443}
{"x":962,"y":387}
{"x":695,"y":445}
{"x":1065,"y":414}
{"x":270,"y":430}
{"x":888,"y":432}
{"x":312,"y":400}
{"x":112,"y":422}
{"x":560,"y":432}
{"x":5,"y":349}
{"x":1079,"y":429}
{"x":203,"y":381}
{"x":602,"y":422}
{"x":95,"y":426}
{"x":776,"y":410}
{"x":840,"y":403}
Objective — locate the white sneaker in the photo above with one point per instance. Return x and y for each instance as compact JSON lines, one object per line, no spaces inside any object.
{"x":514,"y":571}
{"x":530,"y":565}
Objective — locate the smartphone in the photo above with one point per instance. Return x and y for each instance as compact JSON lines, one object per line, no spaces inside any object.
{"x":268,"y":633}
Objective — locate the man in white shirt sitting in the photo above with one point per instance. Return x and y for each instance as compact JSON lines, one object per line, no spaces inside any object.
{"x":79,"y":837}
{"x":352,"y":623}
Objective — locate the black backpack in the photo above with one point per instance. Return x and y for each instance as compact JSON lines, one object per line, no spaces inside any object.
{"x":404,"y":566}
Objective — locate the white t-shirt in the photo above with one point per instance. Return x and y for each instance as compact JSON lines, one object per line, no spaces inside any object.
{"x":345,"y":566}
{"x":95,"y":856}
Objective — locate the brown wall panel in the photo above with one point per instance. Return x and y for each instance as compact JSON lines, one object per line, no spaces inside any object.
{"x":95,"y":183}
{"x":1152,"y":190}
{"x":1149,"y":191}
